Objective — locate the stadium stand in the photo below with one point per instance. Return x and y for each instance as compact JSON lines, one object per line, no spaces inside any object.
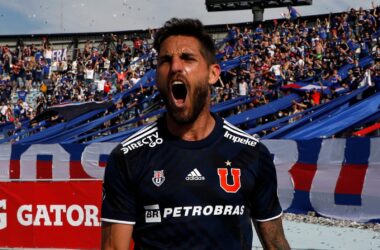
{"x":279,"y":77}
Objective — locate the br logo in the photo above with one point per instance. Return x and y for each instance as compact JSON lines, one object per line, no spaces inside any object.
{"x":152,"y":214}
{"x":229,"y":188}
{"x":3,"y":216}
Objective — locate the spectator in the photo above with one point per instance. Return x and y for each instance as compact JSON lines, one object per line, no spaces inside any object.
{"x":293,"y":13}
{"x":243,"y":86}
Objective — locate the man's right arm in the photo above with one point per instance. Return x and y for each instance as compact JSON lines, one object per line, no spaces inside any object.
{"x":116,"y":236}
{"x":118,"y":205}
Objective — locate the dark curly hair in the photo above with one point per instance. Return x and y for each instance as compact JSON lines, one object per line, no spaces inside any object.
{"x":187,"y":27}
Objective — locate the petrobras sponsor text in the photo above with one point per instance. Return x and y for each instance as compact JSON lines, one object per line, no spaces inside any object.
{"x":153,"y":212}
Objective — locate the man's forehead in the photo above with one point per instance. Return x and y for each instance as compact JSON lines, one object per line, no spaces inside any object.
{"x":179,"y":45}
{"x":178,"y":51}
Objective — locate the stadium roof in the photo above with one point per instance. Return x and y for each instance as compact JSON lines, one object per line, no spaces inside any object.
{"x":225,"y":5}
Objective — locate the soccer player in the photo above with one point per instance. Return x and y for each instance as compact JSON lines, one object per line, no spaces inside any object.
{"x":190,"y":180}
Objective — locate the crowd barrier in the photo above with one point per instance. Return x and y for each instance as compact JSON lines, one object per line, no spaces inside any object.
{"x":50,"y":194}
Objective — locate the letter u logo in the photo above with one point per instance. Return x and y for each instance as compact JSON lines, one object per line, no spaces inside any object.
{"x":223,"y":172}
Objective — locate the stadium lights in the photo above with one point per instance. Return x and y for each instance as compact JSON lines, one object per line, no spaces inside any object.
{"x":225,"y":5}
{"x":273,"y":3}
{"x":244,"y":4}
{"x":305,"y":2}
{"x":257,"y":6}
{"x":218,"y":6}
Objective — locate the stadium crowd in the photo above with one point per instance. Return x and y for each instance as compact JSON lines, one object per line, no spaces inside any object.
{"x":296,"y":51}
{"x":289,"y":50}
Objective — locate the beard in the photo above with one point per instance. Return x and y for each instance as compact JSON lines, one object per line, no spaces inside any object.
{"x":198,"y":102}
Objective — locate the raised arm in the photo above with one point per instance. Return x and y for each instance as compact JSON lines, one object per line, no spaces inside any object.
{"x":271,"y":234}
{"x":116,"y":236}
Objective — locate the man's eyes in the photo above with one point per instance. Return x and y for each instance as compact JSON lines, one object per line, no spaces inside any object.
{"x":185,"y":57}
{"x":164,"y":59}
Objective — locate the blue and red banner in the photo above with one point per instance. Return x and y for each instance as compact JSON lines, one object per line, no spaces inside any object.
{"x":48,"y":191}
{"x":336,"y":178}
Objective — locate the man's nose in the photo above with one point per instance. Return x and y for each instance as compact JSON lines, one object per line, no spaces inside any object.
{"x":176,"y":64}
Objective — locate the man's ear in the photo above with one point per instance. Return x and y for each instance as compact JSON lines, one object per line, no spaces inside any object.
{"x":214,"y":73}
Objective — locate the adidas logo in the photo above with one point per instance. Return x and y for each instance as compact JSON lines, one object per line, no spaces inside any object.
{"x":195,"y":176}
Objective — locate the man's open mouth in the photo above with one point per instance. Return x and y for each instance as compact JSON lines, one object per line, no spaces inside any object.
{"x":179,"y":91}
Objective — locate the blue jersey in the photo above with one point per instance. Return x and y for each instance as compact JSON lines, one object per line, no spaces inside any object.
{"x":190,"y":194}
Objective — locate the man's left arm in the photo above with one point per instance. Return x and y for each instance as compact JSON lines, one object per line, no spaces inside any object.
{"x":271,"y":234}
{"x":266,"y":211}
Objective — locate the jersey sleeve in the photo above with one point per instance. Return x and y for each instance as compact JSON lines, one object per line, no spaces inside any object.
{"x":265,"y":204}
{"x":118,"y":205}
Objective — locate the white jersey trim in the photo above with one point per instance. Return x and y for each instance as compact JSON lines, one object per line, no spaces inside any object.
{"x":269,"y":219}
{"x":238,"y":131}
{"x":141,"y":131}
{"x":147,"y":136}
{"x":118,"y":221}
{"x":151,"y":131}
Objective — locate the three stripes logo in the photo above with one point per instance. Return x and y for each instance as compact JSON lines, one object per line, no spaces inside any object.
{"x":195,"y":175}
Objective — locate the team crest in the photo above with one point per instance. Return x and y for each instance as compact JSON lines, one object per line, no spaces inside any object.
{"x":158,"y":178}
{"x":236,"y":184}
